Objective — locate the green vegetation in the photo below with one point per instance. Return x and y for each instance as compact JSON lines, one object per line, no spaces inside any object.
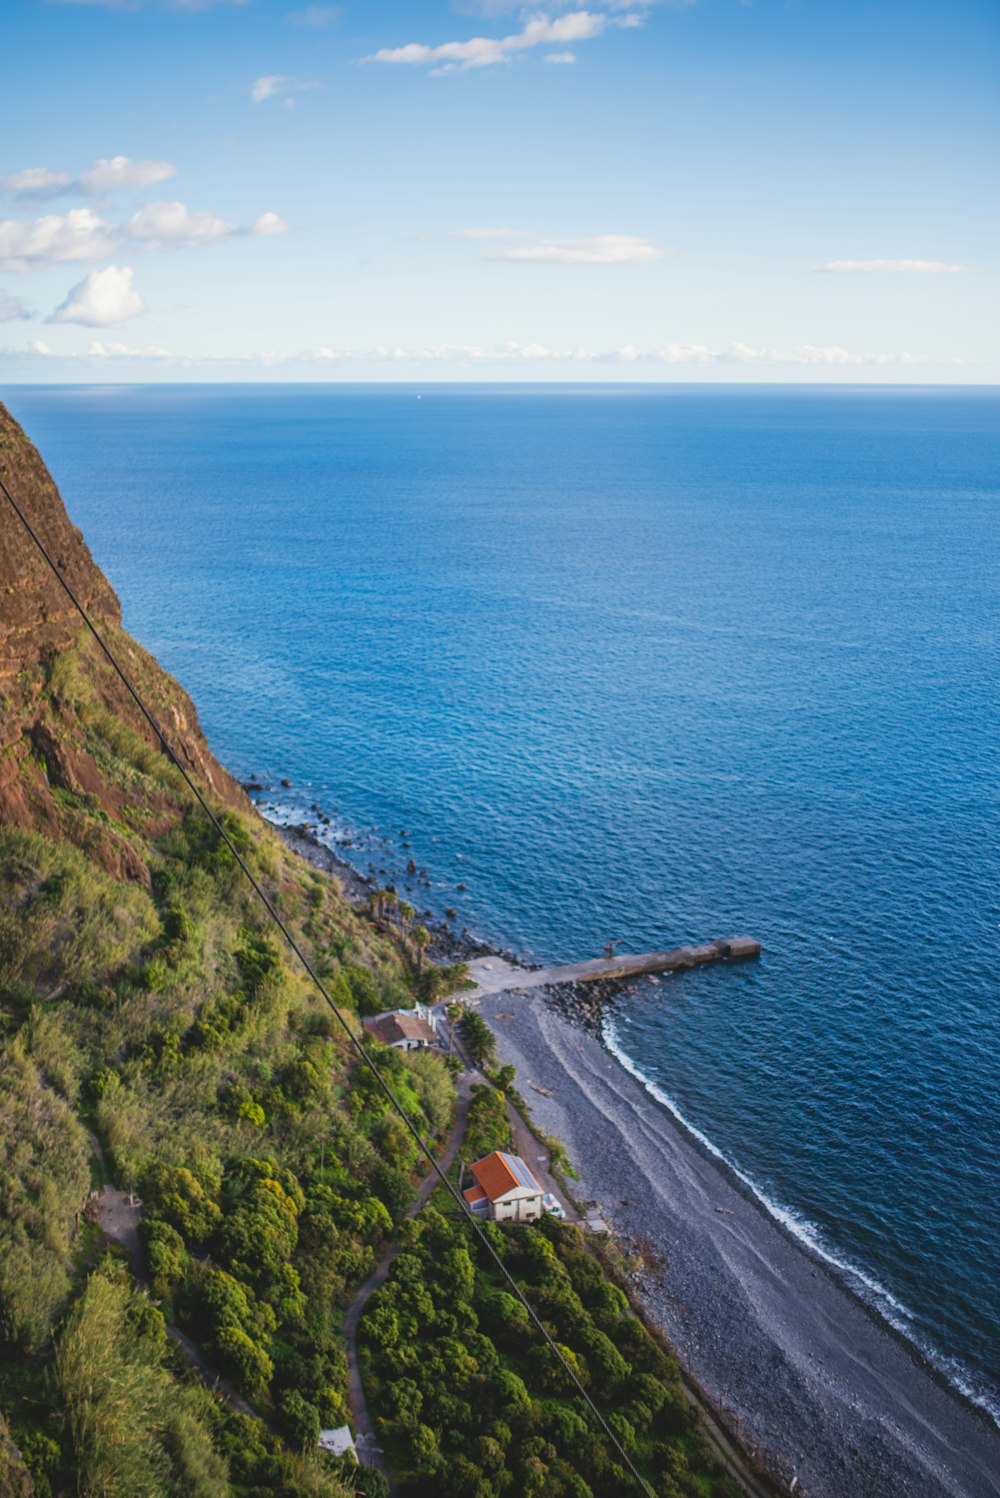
{"x":153,"y":1032}
{"x":271,"y":1172}
{"x":488,"y":1127}
{"x":470,"y":1399}
{"x":477,"y":1037}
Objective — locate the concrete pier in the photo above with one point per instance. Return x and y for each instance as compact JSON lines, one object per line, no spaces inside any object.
{"x":495,"y":974}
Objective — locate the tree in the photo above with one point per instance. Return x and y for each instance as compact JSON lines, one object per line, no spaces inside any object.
{"x":454,"y":1011}
{"x":478,"y":1037}
{"x":406,"y":914}
{"x":421,"y":939}
{"x":299,"y":1420}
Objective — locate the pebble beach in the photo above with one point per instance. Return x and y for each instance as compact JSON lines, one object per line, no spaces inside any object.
{"x":813,"y":1385}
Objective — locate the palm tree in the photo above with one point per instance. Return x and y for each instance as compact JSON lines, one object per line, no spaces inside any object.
{"x":406,"y":913}
{"x":454,"y":1014}
{"x":421,"y":937}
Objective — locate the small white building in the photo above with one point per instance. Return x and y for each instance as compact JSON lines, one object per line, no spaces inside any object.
{"x":405,"y":1029}
{"x":339,"y":1441}
{"x":505,"y":1189}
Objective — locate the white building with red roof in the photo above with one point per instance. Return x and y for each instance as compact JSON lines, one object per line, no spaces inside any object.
{"x":406,"y":1029}
{"x":505,"y":1189}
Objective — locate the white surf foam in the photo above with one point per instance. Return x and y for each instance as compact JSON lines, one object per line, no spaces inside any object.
{"x":866,"y":1286}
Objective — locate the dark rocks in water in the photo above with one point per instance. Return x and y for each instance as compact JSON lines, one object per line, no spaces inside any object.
{"x":287,"y":784}
{"x":451,"y":914}
{"x":411,"y":868}
{"x":584,"y":1003}
{"x":461,"y":888}
{"x":252,"y":786}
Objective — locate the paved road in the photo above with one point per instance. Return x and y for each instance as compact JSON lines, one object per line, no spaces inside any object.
{"x":369,"y":1449}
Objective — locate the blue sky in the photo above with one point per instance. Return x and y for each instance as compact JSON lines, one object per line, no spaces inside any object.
{"x":607,"y":189}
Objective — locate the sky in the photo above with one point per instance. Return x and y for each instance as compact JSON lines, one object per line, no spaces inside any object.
{"x":728,"y":190}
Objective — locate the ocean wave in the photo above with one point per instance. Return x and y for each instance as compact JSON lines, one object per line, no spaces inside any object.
{"x":869,"y":1290}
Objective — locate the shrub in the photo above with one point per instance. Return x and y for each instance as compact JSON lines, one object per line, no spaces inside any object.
{"x":299,"y":1420}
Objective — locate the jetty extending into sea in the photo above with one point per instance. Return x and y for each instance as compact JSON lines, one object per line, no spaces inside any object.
{"x":496,"y":974}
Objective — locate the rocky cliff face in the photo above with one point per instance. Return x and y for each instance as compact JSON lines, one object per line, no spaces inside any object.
{"x":77,"y":759}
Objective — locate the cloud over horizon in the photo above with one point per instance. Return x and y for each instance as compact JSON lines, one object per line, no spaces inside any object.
{"x":903,"y":267}
{"x":103,"y":299}
{"x":601,"y":249}
{"x":512,"y":353}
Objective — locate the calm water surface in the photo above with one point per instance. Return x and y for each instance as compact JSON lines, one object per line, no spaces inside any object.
{"x":649,"y":664}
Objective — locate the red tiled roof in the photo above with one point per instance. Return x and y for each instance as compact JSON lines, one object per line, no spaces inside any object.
{"x":474,"y":1194}
{"x":392,"y":1028}
{"x":499,"y":1173}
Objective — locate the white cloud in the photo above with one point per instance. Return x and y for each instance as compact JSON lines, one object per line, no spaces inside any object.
{"x":738,"y":359}
{"x":38,"y":347}
{"x":99,"y":350}
{"x":183,"y":6}
{"x":115,"y":173}
{"x":602,"y":249}
{"x":162,"y":223}
{"x":316,"y":16}
{"x":78,"y":235}
{"x":107,"y":175}
{"x":904,"y":267}
{"x":34,"y":182}
{"x":267,"y":86}
{"x":560,"y":57}
{"x":81,"y":234}
{"x":484,"y":52}
{"x":103,"y":299}
{"x":12,"y":309}
{"x":269,"y":223}
{"x":273,"y":85}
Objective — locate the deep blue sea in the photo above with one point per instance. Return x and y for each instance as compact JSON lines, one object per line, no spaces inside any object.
{"x":655,"y":664}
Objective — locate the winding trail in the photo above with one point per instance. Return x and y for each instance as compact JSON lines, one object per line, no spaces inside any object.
{"x":119,"y":1214}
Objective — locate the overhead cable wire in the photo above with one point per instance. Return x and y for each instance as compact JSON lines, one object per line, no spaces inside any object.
{"x":361,"y":1050}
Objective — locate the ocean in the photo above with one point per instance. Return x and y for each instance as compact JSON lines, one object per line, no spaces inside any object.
{"x":653,"y":664}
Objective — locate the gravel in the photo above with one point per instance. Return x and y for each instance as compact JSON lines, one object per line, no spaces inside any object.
{"x":829,"y":1398}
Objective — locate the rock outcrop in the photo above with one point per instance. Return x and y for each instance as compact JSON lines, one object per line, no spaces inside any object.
{"x":77,"y":758}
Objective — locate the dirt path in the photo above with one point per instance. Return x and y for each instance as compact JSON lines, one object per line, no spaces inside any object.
{"x":369,"y":1450}
{"x":119,"y":1214}
{"x":538,"y":1159}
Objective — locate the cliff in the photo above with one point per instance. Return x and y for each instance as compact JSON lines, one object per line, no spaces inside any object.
{"x":77,"y":759}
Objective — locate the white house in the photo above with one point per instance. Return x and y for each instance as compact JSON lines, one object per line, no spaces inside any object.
{"x":505,"y":1189}
{"x":406,"y":1029}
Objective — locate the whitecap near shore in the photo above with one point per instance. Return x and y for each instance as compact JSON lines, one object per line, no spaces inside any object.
{"x":801,"y":1370}
{"x":874,"y":1294}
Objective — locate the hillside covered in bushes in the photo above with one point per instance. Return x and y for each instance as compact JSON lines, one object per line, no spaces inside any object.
{"x":157,"y":1042}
